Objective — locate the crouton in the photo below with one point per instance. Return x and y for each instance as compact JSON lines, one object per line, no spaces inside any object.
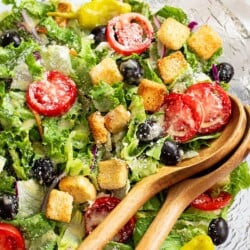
{"x":96,"y":124}
{"x":113,"y":174}
{"x":79,"y":187}
{"x":171,"y":66}
{"x":173,"y":34}
{"x":64,"y":7}
{"x":204,"y":42}
{"x":59,"y":206}
{"x":106,"y":71}
{"x":152,"y":94}
{"x":117,"y":119}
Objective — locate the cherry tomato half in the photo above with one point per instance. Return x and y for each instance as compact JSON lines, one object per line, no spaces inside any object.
{"x":129,"y":33}
{"x":52,"y":96}
{"x":183,"y":116}
{"x":10,"y":238}
{"x":99,"y":210}
{"x":206,"y":202}
{"x":215,"y":103}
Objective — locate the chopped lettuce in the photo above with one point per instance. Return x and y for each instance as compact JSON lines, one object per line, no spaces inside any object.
{"x":38,"y":231}
{"x":176,"y":13}
{"x":72,"y":233}
{"x":7,"y":184}
{"x":30,"y":198}
{"x":11,"y":56}
{"x":63,"y":36}
{"x":106,"y":97}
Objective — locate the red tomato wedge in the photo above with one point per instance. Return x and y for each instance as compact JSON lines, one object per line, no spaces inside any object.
{"x":129,"y":33}
{"x":10,"y":238}
{"x":183,"y":116}
{"x":99,"y":210}
{"x":52,"y":96}
{"x":208,"y":203}
{"x":215,"y":103}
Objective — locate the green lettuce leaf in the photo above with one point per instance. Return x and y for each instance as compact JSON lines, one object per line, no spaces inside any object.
{"x":11,"y":56}
{"x":106,"y":97}
{"x":30,"y":198}
{"x":38,"y":231}
{"x":72,"y":234}
{"x":61,"y":35}
{"x":7,"y":183}
{"x":174,"y":12}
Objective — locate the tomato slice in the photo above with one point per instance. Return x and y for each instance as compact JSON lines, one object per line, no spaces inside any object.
{"x":99,"y":210}
{"x":208,"y":203}
{"x":10,"y":238}
{"x":183,"y":116}
{"x":129,"y":33}
{"x":52,"y":96}
{"x":215,"y":103}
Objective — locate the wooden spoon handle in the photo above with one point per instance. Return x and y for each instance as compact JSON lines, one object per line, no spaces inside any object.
{"x":181,"y":195}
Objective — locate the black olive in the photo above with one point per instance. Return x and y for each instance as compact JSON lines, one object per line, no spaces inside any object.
{"x":225,"y":72}
{"x":148,"y":131}
{"x":99,"y":33}
{"x":10,"y":37}
{"x":218,"y":230}
{"x":170,"y":153}
{"x":132,"y":71}
{"x":8,"y":206}
{"x":44,"y":171}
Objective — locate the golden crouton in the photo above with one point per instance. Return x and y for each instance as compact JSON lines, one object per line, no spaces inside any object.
{"x":173,"y":34}
{"x":64,"y":7}
{"x":79,"y":187}
{"x":96,"y":124}
{"x":106,"y":71}
{"x":117,"y":119}
{"x":113,"y":174}
{"x":171,"y":66}
{"x":152,"y":94}
{"x":59,"y":206}
{"x":205,"y":42}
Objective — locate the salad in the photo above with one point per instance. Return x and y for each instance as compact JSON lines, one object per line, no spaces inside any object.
{"x":93,"y":100}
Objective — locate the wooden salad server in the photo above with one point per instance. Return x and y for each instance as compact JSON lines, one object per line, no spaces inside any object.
{"x":183,"y":193}
{"x":230,"y":136}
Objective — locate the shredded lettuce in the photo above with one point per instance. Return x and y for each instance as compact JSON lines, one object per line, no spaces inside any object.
{"x":30,"y":198}
{"x":176,"y":13}
{"x":106,"y":97}
{"x":63,"y":36}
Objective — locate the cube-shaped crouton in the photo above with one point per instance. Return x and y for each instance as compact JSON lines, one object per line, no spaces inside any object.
{"x":152,"y":94}
{"x":79,"y":187}
{"x":172,"y":66}
{"x":173,"y":34}
{"x":96,"y":124}
{"x":59,"y":206}
{"x":205,"y":42}
{"x":117,"y":119}
{"x":113,"y":174}
{"x":106,"y":71}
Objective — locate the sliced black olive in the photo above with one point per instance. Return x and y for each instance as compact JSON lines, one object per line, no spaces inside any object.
{"x":225,"y":72}
{"x":132,"y":71}
{"x":8,"y":206}
{"x":148,"y":131}
{"x":170,"y":153}
{"x":10,"y":37}
{"x":99,"y":33}
{"x":44,"y":171}
{"x":218,"y":230}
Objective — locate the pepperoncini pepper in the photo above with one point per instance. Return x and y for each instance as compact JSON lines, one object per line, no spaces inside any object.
{"x":199,"y":242}
{"x":96,"y":12}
